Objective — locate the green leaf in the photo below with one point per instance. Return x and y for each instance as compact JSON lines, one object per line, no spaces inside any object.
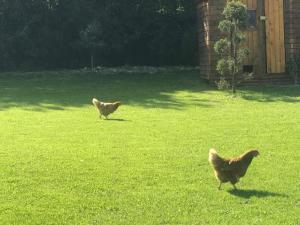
{"x":222,"y":46}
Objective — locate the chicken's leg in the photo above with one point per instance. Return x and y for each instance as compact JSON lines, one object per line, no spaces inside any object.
{"x":219,"y":188}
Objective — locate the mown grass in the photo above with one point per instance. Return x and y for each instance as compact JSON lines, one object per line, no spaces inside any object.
{"x":61,"y":164}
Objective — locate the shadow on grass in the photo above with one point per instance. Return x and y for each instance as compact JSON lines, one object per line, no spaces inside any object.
{"x":59,"y":91}
{"x":117,"y":120}
{"x":64,"y":90}
{"x":255,"y":193}
{"x":269,"y":94}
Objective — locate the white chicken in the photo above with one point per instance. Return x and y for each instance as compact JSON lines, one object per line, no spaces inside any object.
{"x":105,"y":108}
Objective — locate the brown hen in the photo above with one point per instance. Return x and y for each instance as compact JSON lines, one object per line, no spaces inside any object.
{"x":230,"y":170}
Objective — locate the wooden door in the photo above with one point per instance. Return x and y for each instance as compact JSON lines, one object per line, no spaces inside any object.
{"x":275,"y":50}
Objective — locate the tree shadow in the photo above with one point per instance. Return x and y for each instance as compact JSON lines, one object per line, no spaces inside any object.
{"x":247,"y":194}
{"x":64,"y":90}
{"x":44,"y":91}
{"x":269,"y":94}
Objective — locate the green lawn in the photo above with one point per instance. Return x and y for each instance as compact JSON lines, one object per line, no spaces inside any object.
{"x":147,"y":165}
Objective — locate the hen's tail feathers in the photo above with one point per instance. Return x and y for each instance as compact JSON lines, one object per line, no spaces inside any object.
{"x":214,"y":158}
{"x":96,"y":103}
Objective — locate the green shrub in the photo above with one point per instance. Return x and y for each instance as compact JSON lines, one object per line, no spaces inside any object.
{"x":230,"y":48}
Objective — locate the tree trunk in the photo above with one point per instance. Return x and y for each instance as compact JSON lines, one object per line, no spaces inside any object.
{"x":92,"y":62}
{"x":233,"y":89}
{"x":234,"y":72}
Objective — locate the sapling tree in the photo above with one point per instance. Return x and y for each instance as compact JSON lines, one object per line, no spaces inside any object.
{"x":90,"y":38}
{"x":230,"y":46}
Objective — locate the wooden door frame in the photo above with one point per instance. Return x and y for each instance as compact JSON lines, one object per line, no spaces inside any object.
{"x":261,"y":66}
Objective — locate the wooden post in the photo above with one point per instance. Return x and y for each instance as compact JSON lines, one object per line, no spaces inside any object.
{"x":261,"y":65}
